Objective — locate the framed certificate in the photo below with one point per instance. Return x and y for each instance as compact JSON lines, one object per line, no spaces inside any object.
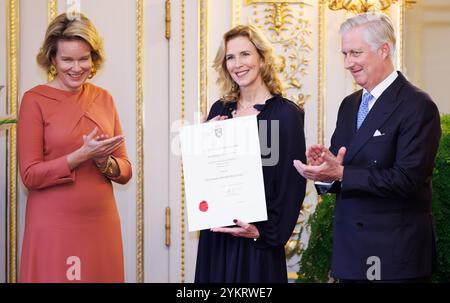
{"x":223,"y":173}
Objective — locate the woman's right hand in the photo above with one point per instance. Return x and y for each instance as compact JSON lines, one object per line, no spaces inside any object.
{"x":93,"y":148}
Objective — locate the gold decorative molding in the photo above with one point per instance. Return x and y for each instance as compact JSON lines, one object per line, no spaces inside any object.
{"x":236,"y":7}
{"x":52,"y":10}
{"x":12,"y":53}
{"x":401,"y":29}
{"x":203,"y":63}
{"x":418,"y":62}
{"x":249,"y":2}
{"x":320,"y":71}
{"x":168,"y":20}
{"x":139,"y":141}
{"x":289,"y":31}
{"x":361,"y":6}
{"x":183,"y":72}
{"x":167,"y":227}
{"x":294,"y":245}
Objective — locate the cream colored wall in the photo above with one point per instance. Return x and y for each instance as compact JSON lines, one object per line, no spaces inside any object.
{"x":33,"y":20}
{"x":427,"y":62}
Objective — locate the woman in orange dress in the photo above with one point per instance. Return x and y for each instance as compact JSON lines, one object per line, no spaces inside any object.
{"x":71,"y":147}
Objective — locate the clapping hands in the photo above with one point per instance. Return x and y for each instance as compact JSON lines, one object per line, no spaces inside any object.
{"x":323,"y":165}
{"x":95,"y":147}
{"x":98,"y":147}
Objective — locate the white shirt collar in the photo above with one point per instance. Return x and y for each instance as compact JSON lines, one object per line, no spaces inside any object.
{"x":381,"y":87}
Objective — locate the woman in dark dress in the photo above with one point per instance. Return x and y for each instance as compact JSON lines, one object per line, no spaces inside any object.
{"x":254,"y":252}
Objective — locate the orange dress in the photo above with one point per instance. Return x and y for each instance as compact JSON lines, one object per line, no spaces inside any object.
{"x":72,"y":227}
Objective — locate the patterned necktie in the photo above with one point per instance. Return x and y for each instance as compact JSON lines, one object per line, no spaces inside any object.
{"x":363,"y":108}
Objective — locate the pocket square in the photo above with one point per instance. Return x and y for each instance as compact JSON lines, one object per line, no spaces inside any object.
{"x":378,"y":133}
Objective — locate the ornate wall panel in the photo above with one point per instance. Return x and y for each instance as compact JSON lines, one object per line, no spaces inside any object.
{"x":12,"y":95}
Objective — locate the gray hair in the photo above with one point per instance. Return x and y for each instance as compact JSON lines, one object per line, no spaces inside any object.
{"x":378,"y":29}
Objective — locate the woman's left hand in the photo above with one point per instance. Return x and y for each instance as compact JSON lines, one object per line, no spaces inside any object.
{"x":243,"y":230}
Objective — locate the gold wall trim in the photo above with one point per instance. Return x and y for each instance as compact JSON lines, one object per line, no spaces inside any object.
{"x":418,"y":63}
{"x":52,"y":10}
{"x":401,"y":34}
{"x":236,"y":7}
{"x":320,"y":71}
{"x":183,"y":72}
{"x":139,"y":141}
{"x":12,"y":53}
{"x":203,"y":63}
{"x":168,"y":19}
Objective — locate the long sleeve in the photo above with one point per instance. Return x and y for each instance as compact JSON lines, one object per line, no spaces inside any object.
{"x":120,"y":155}
{"x":334,"y":186}
{"x":37,"y":173}
{"x":288,"y":191}
{"x":416,"y":146}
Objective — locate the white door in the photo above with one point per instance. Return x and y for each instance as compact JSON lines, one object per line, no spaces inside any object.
{"x":170,"y":96}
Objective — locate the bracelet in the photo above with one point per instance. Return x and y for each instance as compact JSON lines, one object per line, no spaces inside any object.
{"x":108,"y":170}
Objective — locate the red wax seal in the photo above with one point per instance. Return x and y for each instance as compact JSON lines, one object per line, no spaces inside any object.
{"x":203,"y":206}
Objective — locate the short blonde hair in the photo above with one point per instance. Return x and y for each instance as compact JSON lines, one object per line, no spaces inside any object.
{"x":63,"y":28}
{"x":229,"y":89}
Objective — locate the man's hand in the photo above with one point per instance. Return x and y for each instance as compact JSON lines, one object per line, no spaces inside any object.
{"x":243,"y":230}
{"x":314,"y":154}
{"x":330,"y":169}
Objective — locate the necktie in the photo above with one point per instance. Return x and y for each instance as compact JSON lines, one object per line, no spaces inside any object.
{"x":363,"y":108}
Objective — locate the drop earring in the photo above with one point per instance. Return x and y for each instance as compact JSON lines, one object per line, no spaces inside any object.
{"x":93,"y":72}
{"x":52,"y":71}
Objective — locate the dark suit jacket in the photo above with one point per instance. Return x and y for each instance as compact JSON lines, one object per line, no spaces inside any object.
{"x":383,"y":206}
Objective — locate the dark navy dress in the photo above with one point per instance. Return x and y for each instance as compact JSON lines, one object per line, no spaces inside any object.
{"x":225,"y":258}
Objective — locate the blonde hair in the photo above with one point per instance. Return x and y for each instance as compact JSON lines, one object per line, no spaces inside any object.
{"x":63,"y":28}
{"x":378,"y":29}
{"x":229,"y":89}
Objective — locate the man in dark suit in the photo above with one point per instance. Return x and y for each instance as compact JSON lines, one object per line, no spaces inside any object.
{"x":380,"y":164}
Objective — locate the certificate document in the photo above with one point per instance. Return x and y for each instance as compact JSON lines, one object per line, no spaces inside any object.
{"x":223,"y":173}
